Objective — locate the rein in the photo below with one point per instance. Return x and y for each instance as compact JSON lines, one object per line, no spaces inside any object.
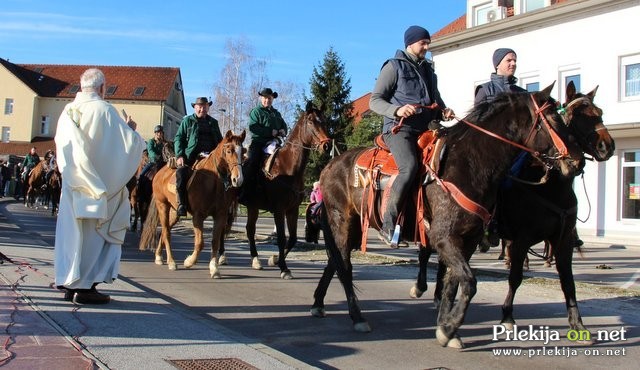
{"x":299,"y":143}
{"x":396,"y":128}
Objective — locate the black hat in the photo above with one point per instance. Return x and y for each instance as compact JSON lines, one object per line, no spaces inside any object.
{"x":415,"y":34}
{"x":499,"y":54}
{"x":201,"y":100}
{"x":158,"y":128}
{"x":268,"y":92}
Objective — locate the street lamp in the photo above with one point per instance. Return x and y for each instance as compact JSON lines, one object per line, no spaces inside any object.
{"x":224,"y":111}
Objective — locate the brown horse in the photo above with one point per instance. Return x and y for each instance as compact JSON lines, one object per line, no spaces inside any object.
{"x":282,"y":192}
{"x":35,"y":184}
{"x":133,"y":192}
{"x":211,"y":192}
{"x":551,"y":208}
{"x":54,"y":187}
{"x":475,"y":163}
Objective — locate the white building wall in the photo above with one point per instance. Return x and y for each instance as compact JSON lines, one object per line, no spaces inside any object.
{"x":591,"y":42}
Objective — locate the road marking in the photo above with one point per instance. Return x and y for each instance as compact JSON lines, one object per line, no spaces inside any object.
{"x":631,"y":281}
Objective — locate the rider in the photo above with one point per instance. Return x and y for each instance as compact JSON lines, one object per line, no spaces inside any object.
{"x":51,"y":161}
{"x":154,"y":149}
{"x":502,"y":80}
{"x":406,"y":80}
{"x":265,"y":124}
{"x":198,"y":133}
{"x":30,"y":161}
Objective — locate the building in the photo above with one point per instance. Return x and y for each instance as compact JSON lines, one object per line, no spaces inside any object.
{"x":34,"y":96}
{"x":589,"y":42}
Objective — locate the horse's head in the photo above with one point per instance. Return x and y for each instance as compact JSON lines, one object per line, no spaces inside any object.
{"x":231,"y":156}
{"x":584,"y":119}
{"x":550,"y":136}
{"x":310,"y":130}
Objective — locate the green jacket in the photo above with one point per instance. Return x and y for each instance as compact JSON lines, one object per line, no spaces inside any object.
{"x":186,"y":139}
{"x":154,"y":149}
{"x":30,"y":161}
{"x":262,"y":122}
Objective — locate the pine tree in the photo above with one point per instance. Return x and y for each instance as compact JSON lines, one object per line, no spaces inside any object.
{"x":330,"y":89}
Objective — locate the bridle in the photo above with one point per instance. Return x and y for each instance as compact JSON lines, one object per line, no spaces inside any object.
{"x":317,"y":141}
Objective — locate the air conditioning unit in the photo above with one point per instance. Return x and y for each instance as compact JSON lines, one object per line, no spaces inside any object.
{"x":496,"y":13}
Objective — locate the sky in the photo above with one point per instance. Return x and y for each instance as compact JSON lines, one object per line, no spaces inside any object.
{"x":293,"y":36}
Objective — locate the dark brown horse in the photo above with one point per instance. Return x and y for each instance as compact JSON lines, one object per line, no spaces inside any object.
{"x":211,"y":192}
{"x":35,"y":184}
{"x":54,"y":187}
{"x":282,"y":192}
{"x":476,"y":163}
{"x":551,"y":208}
{"x":133,"y":192}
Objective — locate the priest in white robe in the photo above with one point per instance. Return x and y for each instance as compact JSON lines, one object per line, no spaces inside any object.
{"x":98,"y":153}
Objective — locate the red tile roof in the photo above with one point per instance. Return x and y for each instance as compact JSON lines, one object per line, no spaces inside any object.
{"x":360,"y":107}
{"x":49,"y":80}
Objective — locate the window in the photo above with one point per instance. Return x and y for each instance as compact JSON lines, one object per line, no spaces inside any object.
{"x":138,"y":91}
{"x":568,"y":74}
{"x":111,"y":90}
{"x":44,"y":125}
{"x":630,"y":202}
{"x":630,"y":77}
{"x":481,"y":13}
{"x":524,"y":6}
{"x":74,"y":89}
{"x":533,"y":86}
{"x":6,"y":134}
{"x":8,"y":106}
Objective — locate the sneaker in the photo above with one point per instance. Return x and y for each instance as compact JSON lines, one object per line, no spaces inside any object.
{"x":395,"y":239}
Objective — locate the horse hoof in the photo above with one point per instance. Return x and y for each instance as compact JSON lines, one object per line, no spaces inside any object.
{"x":255,"y":264}
{"x":362,"y":327}
{"x":158,"y":261}
{"x":286,"y":275}
{"x":415,"y":292}
{"x":222,"y":260}
{"x":273,"y":260}
{"x":189,"y":262}
{"x":215,"y":274}
{"x":507,"y":325}
{"x":455,"y":342}
{"x":318,"y":312}
{"x":445,"y":341}
{"x":172,"y":266}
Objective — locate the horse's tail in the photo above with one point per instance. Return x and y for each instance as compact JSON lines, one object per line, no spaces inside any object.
{"x":233,"y":213}
{"x":149,"y":237}
{"x":330,"y":244}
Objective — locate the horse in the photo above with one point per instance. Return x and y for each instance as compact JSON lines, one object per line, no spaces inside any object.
{"x":142,"y":192}
{"x":35,"y":182}
{"x":476,"y":160}
{"x":133,"y":192}
{"x":54,"y":187}
{"x":282,"y":191}
{"x":551,"y":207}
{"x":212,"y":191}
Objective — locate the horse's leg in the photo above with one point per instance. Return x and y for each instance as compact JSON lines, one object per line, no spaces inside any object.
{"x":437,"y":293}
{"x":164,"y":209}
{"x":317,"y":309}
{"x":198,"y":242}
{"x":252,"y":218}
{"x":451,"y":316}
{"x":222,"y":258}
{"x":217,"y":239}
{"x":563,"y":251}
{"x":420,"y":286}
{"x":279,"y":218}
{"x":518,"y":250}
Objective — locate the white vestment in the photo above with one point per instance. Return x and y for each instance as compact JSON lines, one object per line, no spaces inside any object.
{"x":97,"y":155}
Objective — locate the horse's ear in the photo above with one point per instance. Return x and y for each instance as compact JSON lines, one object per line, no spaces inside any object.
{"x":309,"y":108}
{"x":243,"y":135}
{"x":547,"y":90}
{"x":228,"y":135}
{"x":571,"y":92}
{"x":592,"y":94}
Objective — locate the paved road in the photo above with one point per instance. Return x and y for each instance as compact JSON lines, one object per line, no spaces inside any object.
{"x":268,"y":312}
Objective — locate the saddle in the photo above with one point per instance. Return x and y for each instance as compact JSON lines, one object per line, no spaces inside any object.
{"x":375,"y":170}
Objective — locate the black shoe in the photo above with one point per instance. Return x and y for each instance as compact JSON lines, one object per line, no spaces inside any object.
{"x":578,"y":243}
{"x":68,"y":293}
{"x":181,"y":211}
{"x":90,"y":296}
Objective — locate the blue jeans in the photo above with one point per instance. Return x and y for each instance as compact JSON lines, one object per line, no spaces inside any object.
{"x":403,"y":147}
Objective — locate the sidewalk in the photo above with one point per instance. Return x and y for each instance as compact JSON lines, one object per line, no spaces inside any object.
{"x":139,"y":330}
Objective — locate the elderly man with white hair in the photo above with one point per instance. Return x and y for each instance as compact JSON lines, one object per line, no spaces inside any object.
{"x":97,"y":153}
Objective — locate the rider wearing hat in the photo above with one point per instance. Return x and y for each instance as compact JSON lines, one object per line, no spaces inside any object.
{"x":198,"y":133}
{"x":265,"y":124}
{"x":154,"y":149}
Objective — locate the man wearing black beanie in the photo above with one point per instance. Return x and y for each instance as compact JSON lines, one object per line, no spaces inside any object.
{"x":406,"y":82}
{"x":502,"y":80}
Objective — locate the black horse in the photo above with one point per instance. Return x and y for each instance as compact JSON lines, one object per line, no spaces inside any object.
{"x":476,"y":161}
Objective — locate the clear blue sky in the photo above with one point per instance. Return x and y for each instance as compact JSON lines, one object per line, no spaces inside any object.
{"x":293,"y":35}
